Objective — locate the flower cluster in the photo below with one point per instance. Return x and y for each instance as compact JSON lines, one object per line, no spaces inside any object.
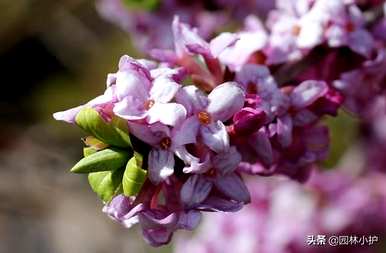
{"x":172,"y":136}
{"x":171,"y":122}
{"x":140,"y":18}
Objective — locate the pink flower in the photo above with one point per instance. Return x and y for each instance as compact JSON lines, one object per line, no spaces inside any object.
{"x":235,"y":50}
{"x":140,"y":96}
{"x":209,"y":112}
{"x":103,"y":104}
{"x":346,"y":28}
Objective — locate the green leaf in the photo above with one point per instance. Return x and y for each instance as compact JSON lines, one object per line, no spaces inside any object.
{"x":134,"y":176}
{"x":89,"y":151}
{"x":115,"y":132}
{"x":106,"y":184}
{"x":148,"y":5}
{"x":107,"y":159}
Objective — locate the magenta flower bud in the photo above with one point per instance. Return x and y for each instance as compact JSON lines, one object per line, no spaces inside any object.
{"x":248,"y":120}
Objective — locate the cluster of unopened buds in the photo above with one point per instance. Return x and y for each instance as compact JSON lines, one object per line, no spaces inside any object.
{"x":172,"y":137}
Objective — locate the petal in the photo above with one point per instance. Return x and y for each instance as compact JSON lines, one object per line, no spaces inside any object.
{"x":260,"y":143}
{"x":185,"y":156}
{"x":68,"y":115}
{"x":200,"y":50}
{"x":186,"y":133}
{"x":215,"y":136}
{"x":225,"y":100}
{"x":157,"y":229}
{"x":304,"y":117}
{"x":195,"y":190}
{"x":284,"y":130}
{"x":361,"y":42}
{"x":195,"y":165}
{"x":238,"y":54}
{"x":215,"y":203}
{"x":233,"y":187}
{"x":199,"y":166}
{"x":169,"y":114}
{"x":130,"y":108}
{"x":130,"y":83}
{"x":256,"y":169}
{"x":145,"y":133}
{"x":153,"y":219}
{"x":127,"y":63}
{"x":311,"y":34}
{"x":193,"y":99}
{"x":157,"y":237}
{"x":163,"y":90}
{"x":118,"y":207}
{"x":189,"y":220}
{"x":175,"y":74}
{"x":184,"y":35}
{"x":224,"y":40}
{"x":164,"y":55}
{"x":251,"y":73}
{"x":111,"y":79}
{"x":308,"y":92}
{"x":227,"y":162}
{"x":109,"y":96}
{"x":131,"y":218}
{"x":161,"y":165}
{"x":147,"y":64}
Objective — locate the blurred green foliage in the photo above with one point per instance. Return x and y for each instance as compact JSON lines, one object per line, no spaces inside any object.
{"x":147,"y":5}
{"x":343,"y":134}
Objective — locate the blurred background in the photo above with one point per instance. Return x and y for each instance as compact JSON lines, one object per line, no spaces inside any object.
{"x":53,"y":55}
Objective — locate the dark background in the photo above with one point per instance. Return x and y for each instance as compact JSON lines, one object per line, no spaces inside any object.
{"x":54,"y":55}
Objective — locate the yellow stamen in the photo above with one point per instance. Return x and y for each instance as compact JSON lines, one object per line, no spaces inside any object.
{"x":204,"y":118}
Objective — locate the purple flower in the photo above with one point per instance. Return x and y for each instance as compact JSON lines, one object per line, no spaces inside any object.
{"x":296,"y":27}
{"x":347,"y":29}
{"x":235,"y":50}
{"x":208,"y":17}
{"x":208,"y":113}
{"x":256,"y":79}
{"x":165,"y":142}
{"x":123,"y":210}
{"x":312,"y":99}
{"x":140,"y":96}
{"x":209,"y":110}
{"x":201,"y":191}
{"x":158,"y":220}
{"x":282,"y":212}
{"x":360,"y":85}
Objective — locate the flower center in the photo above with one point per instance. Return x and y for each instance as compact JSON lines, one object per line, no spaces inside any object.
{"x":211,"y":173}
{"x":204,"y":118}
{"x":296,"y":30}
{"x":260,"y":58}
{"x":165,"y":143}
{"x":350,"y":27}
{"x":149,"y":104}
{"x":252,"y":88}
